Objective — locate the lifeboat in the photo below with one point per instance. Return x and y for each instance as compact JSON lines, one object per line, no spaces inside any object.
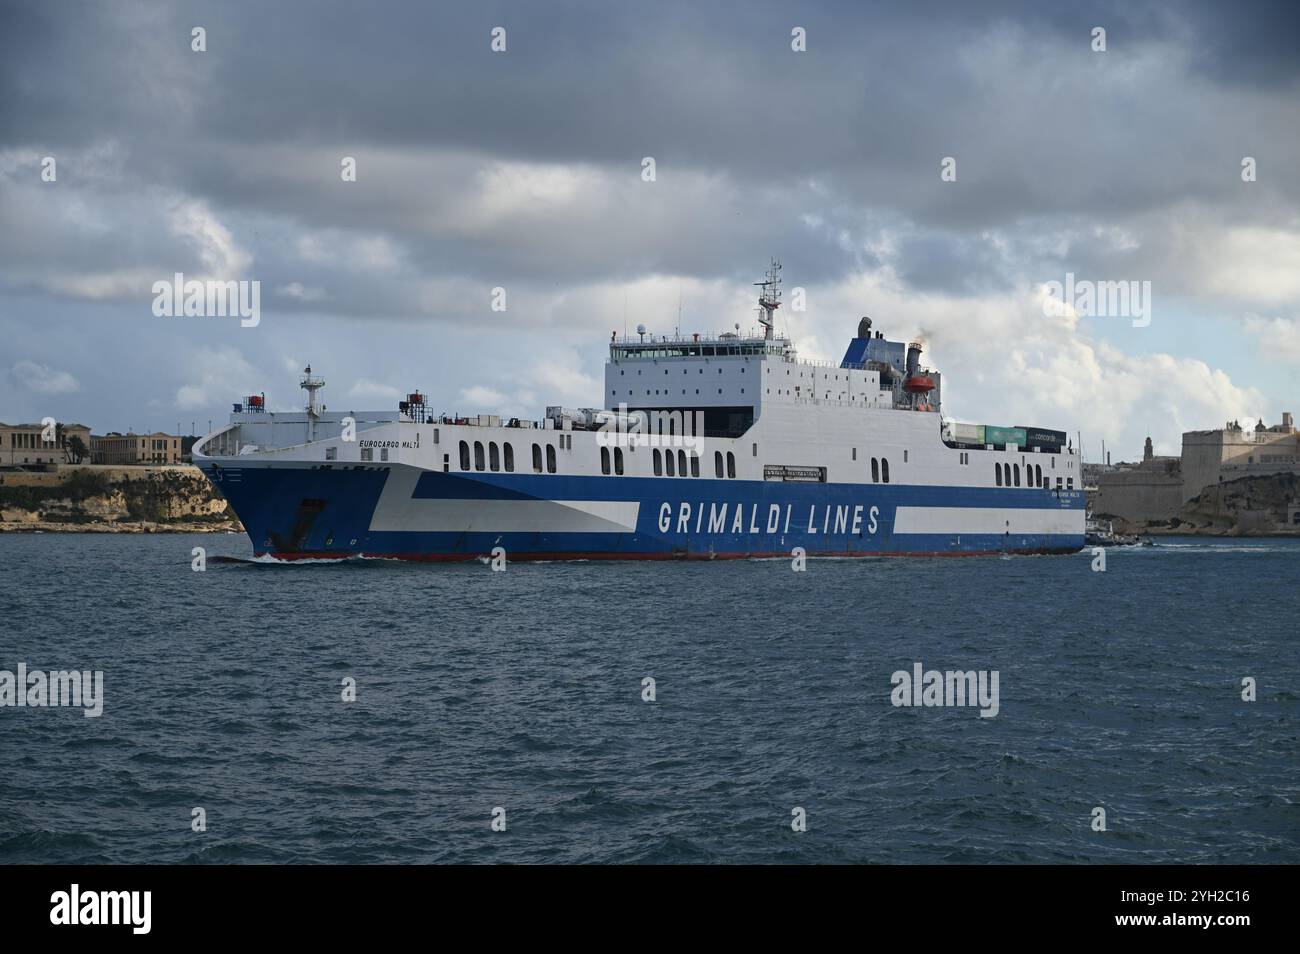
{"x":919,"y":384}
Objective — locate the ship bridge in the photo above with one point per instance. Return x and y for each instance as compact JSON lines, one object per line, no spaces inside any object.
{"x":725,"y":345}
{"x":715,"y":379}
{"x":728,"y":380}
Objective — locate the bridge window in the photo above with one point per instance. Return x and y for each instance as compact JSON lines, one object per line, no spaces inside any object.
{"x":464,"y":455}
{"x":731,"y":464}
{"x":659,"y":463}
{"x":618,"y":461}
{"x":510,"y":458}
{"x":681,"y":462}
{"x":1069,"y":483}
{"x":884,"y":470}
{"x":604,"y":460}
{"x":478,"y":455}
{"x":494,"y":456}
{"x":717,"y":462}
{"x":550,"y":458}
{"x":875,"y":471}
{"x":1038,"y":475}
{"x":997,"y":473}
{"x":1015,"y":471}
{"x":695,"y":465}
{"x":1006,"y":474}
{"x":668,"y":460}
{"x":537,"y":457}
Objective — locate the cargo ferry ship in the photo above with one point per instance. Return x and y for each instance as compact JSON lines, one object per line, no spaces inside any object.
{"x":706,"y":446}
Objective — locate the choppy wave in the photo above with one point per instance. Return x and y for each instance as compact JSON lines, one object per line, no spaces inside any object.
{"x":525,"y":690}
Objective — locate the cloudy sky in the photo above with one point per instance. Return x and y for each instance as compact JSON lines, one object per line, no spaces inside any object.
{"x":523,"y":170}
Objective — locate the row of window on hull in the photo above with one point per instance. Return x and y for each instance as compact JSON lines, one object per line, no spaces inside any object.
{"x":1008,"y":475}
{"x":681,"y":464}
{"x":495,"y":456}
{"x":492,"y":458}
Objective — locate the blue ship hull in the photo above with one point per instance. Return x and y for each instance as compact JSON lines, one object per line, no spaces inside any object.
{"x":336,"y":512}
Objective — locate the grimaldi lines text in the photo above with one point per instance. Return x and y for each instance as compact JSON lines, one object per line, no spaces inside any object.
{"x":705,"y":446}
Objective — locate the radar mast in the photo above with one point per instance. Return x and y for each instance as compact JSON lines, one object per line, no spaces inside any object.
{"x":769,"y":300}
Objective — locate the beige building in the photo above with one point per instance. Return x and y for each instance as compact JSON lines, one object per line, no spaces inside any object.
{"x":156,"y":448}
{"x":1151,"y":490}
{"x":1212,"y":457}
{"x":26,"y":445}
{"x":1158,"y":487}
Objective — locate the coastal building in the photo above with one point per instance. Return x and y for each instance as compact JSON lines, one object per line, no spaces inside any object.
{"x":25,"y":445}
{"x":131,"y":448}
{"x":1157,"y":488}
{"x":1146,"y":491}
{"x":1214,"y":457}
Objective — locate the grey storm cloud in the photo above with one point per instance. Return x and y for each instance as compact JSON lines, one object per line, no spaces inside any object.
{"x":748,"y":138}
{"x":523,"y":169}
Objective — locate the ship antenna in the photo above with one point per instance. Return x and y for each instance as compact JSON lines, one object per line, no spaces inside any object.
{"x":769,"y":300}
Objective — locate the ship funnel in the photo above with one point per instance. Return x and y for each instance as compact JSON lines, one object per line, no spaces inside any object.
{"x":864,"y":327}
{"x":913,"y":357}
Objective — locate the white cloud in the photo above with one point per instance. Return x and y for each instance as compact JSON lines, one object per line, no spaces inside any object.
{"x":336,"y":248}
{"x":365,"y":388}
{"x":194,"y":222}
{"x":481,"y":396}
{"x":43,"y":379}
{"x":99,"y":286}
{"x":1278,"y":338}
{"x":217,"y":376}
{"x":1004,"y":362}
{"x":1252,"y":264}
{"x":302,"y":293}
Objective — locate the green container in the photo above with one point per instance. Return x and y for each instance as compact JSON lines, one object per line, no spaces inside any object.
{"x":1004,"y":435}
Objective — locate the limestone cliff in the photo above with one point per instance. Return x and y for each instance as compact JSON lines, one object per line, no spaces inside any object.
{"x":129,"y":499}
{"x":1248,"y":506}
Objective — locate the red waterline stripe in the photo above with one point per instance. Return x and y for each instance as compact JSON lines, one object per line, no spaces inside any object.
{"x":608,"y":555}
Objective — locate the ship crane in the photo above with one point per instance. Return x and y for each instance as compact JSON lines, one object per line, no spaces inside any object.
{"x":770,"y":299}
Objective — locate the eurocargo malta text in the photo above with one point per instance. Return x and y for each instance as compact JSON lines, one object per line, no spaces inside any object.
{"x":708,"y":447}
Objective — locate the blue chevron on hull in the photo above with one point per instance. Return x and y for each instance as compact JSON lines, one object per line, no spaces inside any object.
{"x":336,"y":512}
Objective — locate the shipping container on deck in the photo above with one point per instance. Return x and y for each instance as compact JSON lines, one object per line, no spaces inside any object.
{"x":1041,"y":437}
{"x":1004,"y":435}
{"x":968,"y":433}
